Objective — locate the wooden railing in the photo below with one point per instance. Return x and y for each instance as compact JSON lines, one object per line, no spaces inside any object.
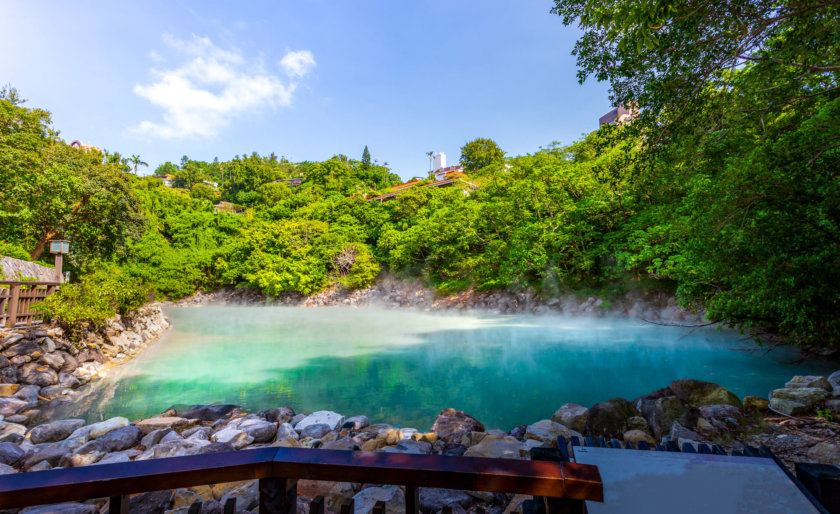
{"x":16,"y":299}
{"x":278,"y":470}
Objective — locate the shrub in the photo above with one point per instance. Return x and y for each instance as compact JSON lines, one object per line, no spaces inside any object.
{"x":86,"y":304}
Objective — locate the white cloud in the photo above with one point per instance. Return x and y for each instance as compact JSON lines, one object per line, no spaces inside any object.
{"x":209,"y":89}
{"x":297,"y":64}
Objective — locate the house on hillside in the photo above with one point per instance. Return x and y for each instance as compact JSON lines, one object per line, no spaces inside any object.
{"x":442,"y":176}
{"x":224,"y":206}
{"x":294,"y":181}
{"x":167,"y":179}
{"x":84,"y":147}
{"x":620,"y":115}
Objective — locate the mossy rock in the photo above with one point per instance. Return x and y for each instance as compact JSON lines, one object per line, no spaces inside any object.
{"x":698,"y":393}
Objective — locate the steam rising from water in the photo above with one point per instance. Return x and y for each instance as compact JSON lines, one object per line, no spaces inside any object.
{"x":403,"y":367}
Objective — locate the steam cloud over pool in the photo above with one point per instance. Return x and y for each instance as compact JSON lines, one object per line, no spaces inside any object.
{"x":403,"y":367}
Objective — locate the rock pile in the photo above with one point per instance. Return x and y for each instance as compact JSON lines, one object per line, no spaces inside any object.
{"x":686,"y":410}
{"x":39,"y":363}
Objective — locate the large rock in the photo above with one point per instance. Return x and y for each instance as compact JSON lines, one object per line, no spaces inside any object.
{"x":175,"y":449}
{"x":53,"y":360}
{"x":789,"y":407}
{"x":279,"y":415}
{"x":345,"y":443}
{"x":9,"y":374}
{"x":114,"y":441}
{"x":809,"y":381}
{"x":315,"y":431}
{"x":8,"y":389}
{"x":811,"y":397}
{"x":572,"y":415}
{"x":261,"y":430}
{"x":410,"y":446}
{"x":11,"y":454}
{"x":50,"y":453}
{"x":55,"y":431}
{"x":698,"y":393}
{"x":321,"y":417}
{"x":661,"y":408}
{"x":70,"y":363}
{"x":247,"y":496}
{"x":636,"y":436}
{"x":724,"y":418}
{"x":10,"y":405}
{"x":153,"y":438}
{"x":176,"y":423}
{"x":434,"y":500}
{"x":609,"y":419}
{"x":497,"y":447}
{"x":63,"y":508}
{"x":103,"y":427}
{"x":286,"y":431}
{"x":208,"y":412}
{"x":825,"y":453}
{"x":356,"y":423}
{"x":38,"y":374}
{"x":392,"y":495}
{"x":155,"y":502}
{"x":546,"y":432}
{"x":834,"y":380}
{"x":452,"y":425}
{"x":680,"y":433}
{"x":236,"y":438}
{"x":26,"y":347}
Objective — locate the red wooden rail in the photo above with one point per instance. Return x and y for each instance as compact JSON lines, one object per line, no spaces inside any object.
{"x":278,"y":470}
{"x":16,"y":301}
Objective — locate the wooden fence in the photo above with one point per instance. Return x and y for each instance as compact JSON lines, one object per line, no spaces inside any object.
{"x":16,"y":299}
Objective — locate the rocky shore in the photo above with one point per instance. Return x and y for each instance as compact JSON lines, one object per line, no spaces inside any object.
{"x":412,"y":294}
{"x":40,"y":367}
{"x":684,"y":411}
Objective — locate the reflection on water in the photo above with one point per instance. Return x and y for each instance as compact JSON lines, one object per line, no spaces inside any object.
{"x":404,"y":366}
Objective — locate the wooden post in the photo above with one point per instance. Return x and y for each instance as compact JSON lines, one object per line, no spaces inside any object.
{"x":278,"y":495}
{"x":11,"y":319}
{"x":412,"y":499}
{"x":118,"y":505}
{"x":59,"y":261}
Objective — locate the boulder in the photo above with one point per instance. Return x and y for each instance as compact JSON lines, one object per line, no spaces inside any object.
{"x":572,"y":415}
{"x":52,"y":392}
{"x":345,"y":443}
{"x":637,"y":436}
{"x":811,"y":397}
{"x":115,"y":440}
{"x":12,"y":339}
{"x":55,"y":431}
{"x":546,"y":432}
{"x":53,"y":360}
{"x":451,"y":425}
{"x":5,"y":469}
{"x":261,"y":430}
{"x":8,"y":389}
{"x":356,"y":423}
{"x":609,"y":419}
{"x":286,"y":431}
{"x":497,"y":447}
{"x":74,"y":460}
{"x":315,"y":431}
{"x":176,"y":423}
{"x":392,"y":495}
{"x":809,"y":381}
{"x":175,"y":449}
{"x":755,"y":405}
{"x":322,"y":417}
{"x":338,"y":495}
{"x":789,"y":407}
{"x":698,"y":393}
{"x":9,"y":374}
{"x":38,"y":374}
{"x":70,"y":363}
{"x":247,"y":496}
{"x":25,"y":347}
{"x":63,"y":508}
{"x":661,"y":408}
{"x":208,"y":412}
{"x":825,"y":453}
{"x":154,"y":502}
{"x":10,"y":405}
{"x":278,"y":415}
{"x":103,"y":427}
{"x":834,"y":381}
{"x":7,"y":428}
{"x":409,"y":446}
{"x":434,"y":500}
{"x":11,"y":454}
{"x":236,"y":438}
{"x":50,"y":453}
{"x":724,"y":418}
{"x":679,"y":433}
{"x":153,"y":438}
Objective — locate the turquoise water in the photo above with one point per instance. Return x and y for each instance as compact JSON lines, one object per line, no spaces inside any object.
{"x":403,"y":367}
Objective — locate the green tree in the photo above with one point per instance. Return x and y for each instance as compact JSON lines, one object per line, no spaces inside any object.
{"x":480,"y":153}
{"x":136,"y":161}
{"x":366,"y":157}
{"x":166,"y":168}
{"x":203,"y":191}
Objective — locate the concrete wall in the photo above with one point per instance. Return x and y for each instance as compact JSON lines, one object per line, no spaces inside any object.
{"x":16,"y":269}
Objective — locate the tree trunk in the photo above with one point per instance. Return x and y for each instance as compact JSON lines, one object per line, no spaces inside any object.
{"x":42,"y":245}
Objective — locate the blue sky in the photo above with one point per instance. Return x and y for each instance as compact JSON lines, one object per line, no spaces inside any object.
{"x":305,"y":79}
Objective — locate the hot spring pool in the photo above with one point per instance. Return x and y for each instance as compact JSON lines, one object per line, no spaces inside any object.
{"x":403,"y":367}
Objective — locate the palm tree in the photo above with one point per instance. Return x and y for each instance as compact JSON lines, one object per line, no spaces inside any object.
{"x":429,"y":155}
{"x":136,"y":161}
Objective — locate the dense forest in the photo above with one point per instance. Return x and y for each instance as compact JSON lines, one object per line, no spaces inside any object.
{"x":724,"y":191}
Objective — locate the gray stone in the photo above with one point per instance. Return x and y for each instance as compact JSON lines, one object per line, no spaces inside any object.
{"x":434,"y":500}
{"x":153,"y":438}
{"x":286,"y":431}
{"x":834,"y":380}
{"x":261,"y":430}
{"x":279,"y":414}
{"x":12,"y":339}
{"x":53,"y":360}
{"x":38,"y":374}
{"x":825,"y":453}
{"x":609,"y":419}
{"x":297,"y":419}
{"x":70,"y":364}
{"x":30,"y":348}
{"x":202,"y":433}
{"x":10,"y":405}
{"x":74,"y":460}
{"x":41,"y":466}
{"x":5,"y":469}
{"x":7,"y":428}
{"x":356,"y":423}
{"x":496,"y":447}
{"x":698,"y":393}
{"x":116,"y":457}
{"x":809,"y":381}
{"x":811,"y":397}
{"x":9,"y":375}
{"x":50,"y":453}
{"x":176,"y":449}
{"x":175,"y":422}
{"x":247,"y":496}
{"x":546,"y":432}
{"x":171,"y":436}
{"x":789,"y":407}
{"x":345,"y":443}
{"x":452,"y":425}
{"x":52,"y":392}
{"x":680,"y":432}
{"x":571,"y":415}
{"x":315,"y":431}
{"x":661,"y":408}
{"x":154,"y":502}
{"x":61,"y":508}
{"x":49,"y":345}
{"x":236,"y":438}
{"x":119,"y":438}
{"x":208,"y":412}
{"x":724,"y":417}
{"x":392,"y":495}
{"x":322,"y":417}
{"x":55,"y":431}
{"x":103,"y":427}
{"x":11,"y":454}
{"x":68,"y":380}
{"x":410,"y":446}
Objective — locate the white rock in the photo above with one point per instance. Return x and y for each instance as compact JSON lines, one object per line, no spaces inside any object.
{"x":286,"y":431}
{"x":236,"y":438}
{"x":322,"y":417}
{"x":103,"y":427}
